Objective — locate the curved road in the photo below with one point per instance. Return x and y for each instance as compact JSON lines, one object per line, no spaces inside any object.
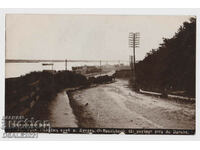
{"x":114,"y":105}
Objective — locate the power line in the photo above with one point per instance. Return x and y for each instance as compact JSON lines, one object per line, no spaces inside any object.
{"x":134,"y":42}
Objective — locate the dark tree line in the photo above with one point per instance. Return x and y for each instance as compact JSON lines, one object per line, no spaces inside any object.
{"x":171,"y":67}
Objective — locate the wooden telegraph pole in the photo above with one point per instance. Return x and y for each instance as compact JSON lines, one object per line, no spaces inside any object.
{"x":52,"y":67}
{"x":100,"y":67}
{"x":134,"y":43}
{"x":65,"y":64}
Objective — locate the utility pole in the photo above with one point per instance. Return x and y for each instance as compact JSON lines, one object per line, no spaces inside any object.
{"x":100,"y":67}
{"x":52,"y":67}
{"x":134,"y":43}
{"x":65,"y":64}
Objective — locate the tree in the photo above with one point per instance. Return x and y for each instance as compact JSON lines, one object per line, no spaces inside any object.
{"x":172,"y":65}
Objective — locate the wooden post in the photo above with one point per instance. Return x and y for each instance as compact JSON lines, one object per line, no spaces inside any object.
{"x":65,"y":64}
{"x":100,"y":67}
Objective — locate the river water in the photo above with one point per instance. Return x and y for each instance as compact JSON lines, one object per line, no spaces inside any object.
{"x":19,"y":69}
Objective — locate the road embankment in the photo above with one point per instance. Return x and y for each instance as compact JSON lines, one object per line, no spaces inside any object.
{"x":84,"y":118}
{"x":30,"y":95}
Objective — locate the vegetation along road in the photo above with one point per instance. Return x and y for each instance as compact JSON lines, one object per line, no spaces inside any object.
{"x":114,"y":105}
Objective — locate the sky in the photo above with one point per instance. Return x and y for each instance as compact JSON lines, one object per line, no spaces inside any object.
{"x":85,"y":37}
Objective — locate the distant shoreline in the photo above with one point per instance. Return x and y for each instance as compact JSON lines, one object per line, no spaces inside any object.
{"x":37,"y":61}
{"x":30,"y":61}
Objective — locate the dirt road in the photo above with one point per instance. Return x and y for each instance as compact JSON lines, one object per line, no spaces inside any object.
{"x":116,"y":106}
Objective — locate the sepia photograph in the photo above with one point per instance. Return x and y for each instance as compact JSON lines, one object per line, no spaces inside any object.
{"x":100,"y":74}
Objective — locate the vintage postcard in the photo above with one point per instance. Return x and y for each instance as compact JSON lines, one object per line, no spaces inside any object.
{"x":100,"y":74}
